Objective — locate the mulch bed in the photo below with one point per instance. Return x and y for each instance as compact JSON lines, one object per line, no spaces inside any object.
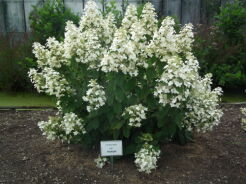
{"x":27,"y":157}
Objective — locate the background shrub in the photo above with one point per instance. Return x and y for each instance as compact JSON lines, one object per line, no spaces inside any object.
{"x":50,"y":19}
{"x":221,"y":48}
{"x":14,"y":64}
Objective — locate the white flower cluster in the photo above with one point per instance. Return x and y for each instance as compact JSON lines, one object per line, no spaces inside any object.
{"x":87,"y":43}
{"x":127,"y":52}
{"x":146,"y":158}
{"x":51,"y":128}
{"x":135,"y":114}
{"x":62,"y":128}
{"x":51,"y":55}
{"x":164,"y":42}
{"x":177,"y":80}
{"x":203,"y":113}
{"x":185,"y":38}
{"x":243,"y":123}
{"x":72,"y":124}
{"x":37,"y":79}
{"x":149,"y":19}
{"x":50,"y":82}
{"x":95,"y":96}
{"x":181,"y":67}
{"x":101,"y":161}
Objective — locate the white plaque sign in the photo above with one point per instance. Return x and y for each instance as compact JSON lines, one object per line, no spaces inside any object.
{"x":111,"y":148}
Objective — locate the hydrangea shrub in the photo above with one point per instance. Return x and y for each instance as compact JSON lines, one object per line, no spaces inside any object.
{"x":137,"y":82}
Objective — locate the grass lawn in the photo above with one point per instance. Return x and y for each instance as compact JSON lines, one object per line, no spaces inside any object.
{"x":34,"y":99}
{"x":233,"y":97}
{"x":25,"y":99}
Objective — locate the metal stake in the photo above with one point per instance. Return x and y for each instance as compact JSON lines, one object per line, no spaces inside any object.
{"x":112,"y":163}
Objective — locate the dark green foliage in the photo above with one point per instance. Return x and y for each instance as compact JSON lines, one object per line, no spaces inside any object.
{"x":231,"y":23}
{"x":221,"y":48}
{"x":50,"y":20}
{"x":14,"y":64}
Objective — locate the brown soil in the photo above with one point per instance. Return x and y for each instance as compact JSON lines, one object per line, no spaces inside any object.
{"x":27,"y":157}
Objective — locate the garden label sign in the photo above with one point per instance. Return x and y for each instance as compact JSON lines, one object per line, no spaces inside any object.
{"x":111,"y":148}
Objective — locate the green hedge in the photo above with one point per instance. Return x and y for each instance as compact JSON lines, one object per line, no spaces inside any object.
{"x":221,"y":48}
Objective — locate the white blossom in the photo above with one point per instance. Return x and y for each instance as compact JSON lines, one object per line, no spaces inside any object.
{"x":135,"y":114}
{"x":202,"y":108}
{"x":149,"y":19}
{"x":101,"y":161}
{"x":95,"y":96}
{"x":37,"y":79}
{"x":52,"y":55}
{"x":65,"y":128}
{"x":164,"y":41}
{"x":72,"y":34}
{"x":130,"y":17}
{"x":51,"y":128}
{"x":176,"y":82}
{"x":72,"y":124}
{"x":127,"y":51}
{"x":50,"y":81}
{"x":146,"y":158}
{"x":185,"y":39}
{"x":88,"y":42}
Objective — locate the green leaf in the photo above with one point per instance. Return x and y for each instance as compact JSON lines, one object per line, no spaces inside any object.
{"x":151,"y":101}
{"x":117,"y":125}
{"x":161,"y":136}
{"x":152,"y":60}
{"x":162,"y":116}
{"x":177,"y":117}
{"x":130,"y":149}
{"x":146,"y":137}
{"x":143,"y":93}
{"x":150,"y":73}
{"x":110,"y":98}
{"x":116,"y":134}
{"x":131,"y":84}
{"x":170,"y":128}
{"x":119,"y":94}
{"x":93,"y":114}
{"x":110,"y":116}
{"x":117,"y":108}
{"x":92,"y":124}
{"x":126,"y":131}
